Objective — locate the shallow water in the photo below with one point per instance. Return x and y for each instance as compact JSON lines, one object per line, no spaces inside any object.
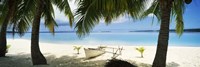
{"x":133,"y":38}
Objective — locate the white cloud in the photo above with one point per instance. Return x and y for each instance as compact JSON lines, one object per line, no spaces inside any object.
{"x":149,"y":3}
{"x":148,"y":6}
{"x":150,"y":15}
{"x":120,"y":19}
{"x":123,"y":19}
{"x":73,"y":5}
{"x":60,"y":15}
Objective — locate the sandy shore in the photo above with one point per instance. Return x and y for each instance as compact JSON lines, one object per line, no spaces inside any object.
{"x":63,"y":55}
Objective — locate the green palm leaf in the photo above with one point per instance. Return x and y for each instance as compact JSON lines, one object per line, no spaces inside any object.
{"x":63,"y":6}
{"x":89,"y":12}
{"x":178,"y":7}
{"x":178,"y":10}
{"x":48,"y":14}
{"x":23,"y":17}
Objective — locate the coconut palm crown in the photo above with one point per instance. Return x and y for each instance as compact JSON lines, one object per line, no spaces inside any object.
{"x":90,"y":12}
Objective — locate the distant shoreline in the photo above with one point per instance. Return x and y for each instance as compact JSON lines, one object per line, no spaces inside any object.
{"x":171,"y":31}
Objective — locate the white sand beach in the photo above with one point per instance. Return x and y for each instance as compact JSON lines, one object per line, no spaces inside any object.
{"x":63,"y":55}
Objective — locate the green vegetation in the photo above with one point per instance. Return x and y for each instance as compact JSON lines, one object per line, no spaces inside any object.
{"x":19,"y":13}
{"x":7,"y":47}
{"x":91,"y":11}
{"x":16,"y":15}
{"x":77,"y":48}
{"x":165,"y":11}
{"x":44,"y":9}
{"x":141,"y":50}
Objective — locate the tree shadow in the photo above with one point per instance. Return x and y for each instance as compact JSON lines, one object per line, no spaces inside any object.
{"x":19,"y":60}
{"x":139,"y":64}
{"x":138,"y":57}
{"x":73,"y":61}
{"x":24,"y":60}
{"x":172,"y":64}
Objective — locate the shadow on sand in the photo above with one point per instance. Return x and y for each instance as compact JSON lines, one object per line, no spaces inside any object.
{"x":172,"y":64}
{"x":24,"y":60}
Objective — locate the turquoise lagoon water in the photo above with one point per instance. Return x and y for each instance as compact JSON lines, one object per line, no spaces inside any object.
{"x":133,"y":38}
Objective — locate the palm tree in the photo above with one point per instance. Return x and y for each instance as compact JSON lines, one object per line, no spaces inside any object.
{"x":22,"y":19}
{"x":18,"y":18}
{"x":36,"y":55}
{"x":21,"y":15}
{"x":44,"y":9}
{"x":5,"y":17}
{"x":163,"y":10}
{"x":77,"y":48}
{"x":141,"y":50}
{"x":90,"y":12}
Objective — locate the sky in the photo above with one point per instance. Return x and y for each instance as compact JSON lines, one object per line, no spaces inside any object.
{"x":125,"y":23}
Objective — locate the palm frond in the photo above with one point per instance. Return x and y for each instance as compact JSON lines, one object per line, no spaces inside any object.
{"x":23,"y":26}
{"x":87,"y":16}
{"x":48,"y":14}
{"x":154,"y":9}
{"x":89,"y":12}
{"x":178,"y":9}
{"x":63,"y":6}
{"x":136,"y":7}
{"x":22,"y":18}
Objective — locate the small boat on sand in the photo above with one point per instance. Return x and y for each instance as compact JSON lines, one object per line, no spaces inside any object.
{"x":93,"y":52}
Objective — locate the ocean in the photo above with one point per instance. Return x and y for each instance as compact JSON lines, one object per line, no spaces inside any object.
{"x":129,"y":38}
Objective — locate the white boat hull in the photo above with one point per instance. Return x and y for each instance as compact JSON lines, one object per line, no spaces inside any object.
{"x":91,"y":53}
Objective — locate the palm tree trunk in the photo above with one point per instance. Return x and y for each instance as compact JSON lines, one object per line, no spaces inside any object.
{"x":142,"y":55}
{"x":161,"y":52}
{"x":37,"y":57}
{"x":3,"y":41}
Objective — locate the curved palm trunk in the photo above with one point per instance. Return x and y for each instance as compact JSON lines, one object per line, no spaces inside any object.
{"x":3,"y":41}
{"x":37,"y":57}
{"x":161,"y":53}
